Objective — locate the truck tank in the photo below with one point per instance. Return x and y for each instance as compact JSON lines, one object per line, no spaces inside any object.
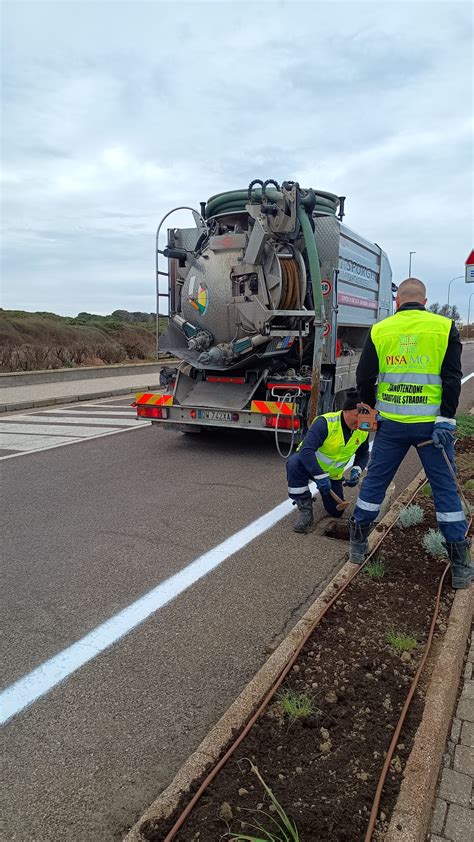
{"x":265,"y":276}
{"x":243,"y":287}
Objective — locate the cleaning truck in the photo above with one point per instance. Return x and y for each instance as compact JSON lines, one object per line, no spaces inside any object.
{"x":269,"y":298}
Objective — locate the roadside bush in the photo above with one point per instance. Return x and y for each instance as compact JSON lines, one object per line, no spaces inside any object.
{"x":33,"y":341}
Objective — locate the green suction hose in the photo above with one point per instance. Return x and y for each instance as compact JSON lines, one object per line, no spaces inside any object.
{"x":313,"y":260}
{"x":234,"y":201}
{"x":315,"y":271}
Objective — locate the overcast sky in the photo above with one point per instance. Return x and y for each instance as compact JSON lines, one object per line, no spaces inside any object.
{"x":115,"y":112}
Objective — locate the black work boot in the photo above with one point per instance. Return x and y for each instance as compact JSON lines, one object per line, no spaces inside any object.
{"x":359,"y":533}
{"x":304,"y":521}
{"x":462,"y":571}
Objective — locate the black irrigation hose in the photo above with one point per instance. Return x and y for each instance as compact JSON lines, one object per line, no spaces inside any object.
{"x":396,"y":734}
{"x":279,"y":680}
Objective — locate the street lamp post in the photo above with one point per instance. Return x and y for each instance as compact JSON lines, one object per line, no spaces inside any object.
{"x":409,"y":263}
{"x":469,"y":314}
{"x":449,"y":285}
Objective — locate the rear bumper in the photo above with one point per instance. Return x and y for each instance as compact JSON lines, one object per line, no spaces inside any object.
{"x":261,"y":415}
{"x":180,"y":417}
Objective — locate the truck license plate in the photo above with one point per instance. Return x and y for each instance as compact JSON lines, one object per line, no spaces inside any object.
{"x":214,"y":415}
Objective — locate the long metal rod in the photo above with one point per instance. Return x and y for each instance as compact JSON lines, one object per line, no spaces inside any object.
{"x":453,"y":474}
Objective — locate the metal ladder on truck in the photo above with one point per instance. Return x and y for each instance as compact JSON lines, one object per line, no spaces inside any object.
{"x":200,"y":222}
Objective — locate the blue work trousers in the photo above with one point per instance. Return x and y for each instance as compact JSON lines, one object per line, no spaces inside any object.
{"x":392,"y":442}
{"x":298,"y":485}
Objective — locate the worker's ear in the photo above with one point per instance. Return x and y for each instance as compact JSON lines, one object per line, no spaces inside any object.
{"x":397,"y":303}
{"x":424,"y":302}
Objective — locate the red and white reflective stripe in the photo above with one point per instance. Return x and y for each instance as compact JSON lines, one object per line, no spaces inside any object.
{"x":153,"y":399}
{"x":273,"y":407}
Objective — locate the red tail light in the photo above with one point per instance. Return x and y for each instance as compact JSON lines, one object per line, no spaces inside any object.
{"x":285,"y":422}
{"x":152,"y":412}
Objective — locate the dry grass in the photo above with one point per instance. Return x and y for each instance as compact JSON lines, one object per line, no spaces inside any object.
{"x":32,"y":341}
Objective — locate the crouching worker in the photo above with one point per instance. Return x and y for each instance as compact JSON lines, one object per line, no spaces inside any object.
{"x":323,"y":455}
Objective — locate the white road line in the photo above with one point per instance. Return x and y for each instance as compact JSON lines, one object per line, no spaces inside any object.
{"x":28,"y":444}
{"x":101,"y":435}
{"x":41,"y":680}
{"x":48,"y":430}
{"x":91,"y":421}
{"x":93,"y":413}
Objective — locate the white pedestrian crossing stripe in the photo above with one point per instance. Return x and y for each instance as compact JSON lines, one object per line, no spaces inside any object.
{"x":47,"y":428}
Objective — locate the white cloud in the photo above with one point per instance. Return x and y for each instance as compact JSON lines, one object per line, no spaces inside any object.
{"x":115,"y":112}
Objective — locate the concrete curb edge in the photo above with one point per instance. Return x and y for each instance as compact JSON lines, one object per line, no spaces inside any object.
{"x":89,"y":396}
{"x":246,"y":703}
{"x":412,"y":813}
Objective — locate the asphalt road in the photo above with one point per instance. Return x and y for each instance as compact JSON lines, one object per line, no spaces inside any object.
{"x":91,"y":527}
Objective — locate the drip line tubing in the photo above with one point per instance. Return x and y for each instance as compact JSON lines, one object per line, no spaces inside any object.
{"x":284,"y":672}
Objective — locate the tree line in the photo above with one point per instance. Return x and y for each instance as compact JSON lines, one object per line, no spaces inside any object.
{"x":448,"y":310}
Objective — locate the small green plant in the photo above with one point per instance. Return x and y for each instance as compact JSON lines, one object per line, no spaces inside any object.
{"x":411,"y":515}
{"x":464,"y":425}
{"x":433,"y":543}
{"x":426,"y":491}
{"x":375,"y":569}
{"x":295,"y":705}
{"x":284,"y":831}
{"x":400,"y":642}
{"x":469,"y":485}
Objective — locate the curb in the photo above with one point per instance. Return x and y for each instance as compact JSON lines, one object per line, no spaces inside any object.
{"x":86,"y":396}
{"x":87,"y":372}
{"x":246,"y":703}
{"x":412,"y":813}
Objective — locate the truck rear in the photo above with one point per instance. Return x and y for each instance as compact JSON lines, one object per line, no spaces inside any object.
{"x":243,"y":290}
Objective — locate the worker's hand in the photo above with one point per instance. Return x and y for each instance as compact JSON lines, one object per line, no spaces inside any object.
{"x":443,"y":432}
{"x":354,"y":477}
{"x":323,"y":484}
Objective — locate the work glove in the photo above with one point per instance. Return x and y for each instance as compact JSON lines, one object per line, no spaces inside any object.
{"x":323,"y":484}
{"x":443,"y":432}
{"x":354,"y":477}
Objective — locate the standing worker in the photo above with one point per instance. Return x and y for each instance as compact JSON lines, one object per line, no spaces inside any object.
{"x":323,"y":455}
{"x":416,"y":357}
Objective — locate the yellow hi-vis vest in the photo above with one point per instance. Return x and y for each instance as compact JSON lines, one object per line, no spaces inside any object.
{"x":334,"y":453}
{"x":411,"y":346}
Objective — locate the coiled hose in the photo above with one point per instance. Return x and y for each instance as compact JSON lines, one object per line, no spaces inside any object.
{"x":234,"y":201}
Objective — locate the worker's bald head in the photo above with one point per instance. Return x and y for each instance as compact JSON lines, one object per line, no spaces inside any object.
{"x":411,"y":289}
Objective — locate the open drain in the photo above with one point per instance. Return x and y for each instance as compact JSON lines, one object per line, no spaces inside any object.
{"x":338,"y":529}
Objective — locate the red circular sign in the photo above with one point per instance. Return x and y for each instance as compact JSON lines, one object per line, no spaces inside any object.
{"x":326,"y":286}
{"x":327,"y":330}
